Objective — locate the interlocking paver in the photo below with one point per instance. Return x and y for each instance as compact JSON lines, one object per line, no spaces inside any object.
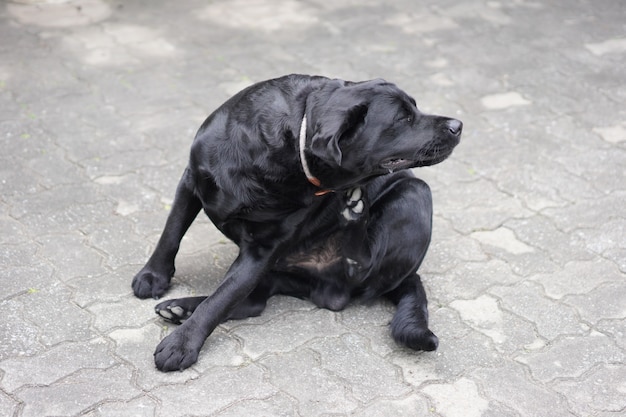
{"x":572,"y":356}
{"x":602,"y":389}
{"x":78,"y":392}
{"x":317,"y":390}
{"x":526,"y":274}
{"x":510,"y":386}
{"x":458,"y":399}
{"x":52,"y":365}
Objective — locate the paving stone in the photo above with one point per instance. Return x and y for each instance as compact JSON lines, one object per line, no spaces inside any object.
{"x":460,"y":349}
{"x":20,"y":255}
{"x":53,"y":169}
{"x":465,"y":208}
{"x":76,"y":13}
{"x":128,"y":311}
{"x":279,"y":405}
{"x":371,"y":321}
{"x":78,"y":392}
{"x":572,"y":356}
{"x":419,"y":368}
{"x":276,"y":306}
{"x":100,"y":103}
{"x":605,"y":302}
{"x":120,"y":246}
{"x":21,"y":279}
{"x":105,"y":286}
{"x":471,"y":280}
{"x":351,"y":359}
{"x":579,"y":277}
{"x":128,"y":199}
{"x":137,"y":346}
{"x":595,"y":172}
{"x":527,"y":301}
{"x":504,"y":100}
{"x":449,"y":250}
{"x":460,"y":398}
{"x":617,"y":255}
{"x":317,"y":390}
{"x":140,"y":407}
{"x":507,"y":332}
{"x":616,"y":329}
{"x":509,"y":386}
{"x":61,"y":210}
{"x":603,"y":389}
{"x":71,"y":253}
{"x":56,"y":318}
{"x":605,"y":238}
{"x":21,"y":337}
{"x":225,"y":386}
{"x":541,"y":233}
{"x":285,"y":332}
{"x":502,"y":238}
{"x":587,"y":214}
{"x":8,"y":406}
{"x":612,"y":134}
{"x":48,"y":367}
{"x":413,"y":405}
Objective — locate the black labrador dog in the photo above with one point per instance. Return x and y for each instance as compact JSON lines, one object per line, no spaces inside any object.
{"x":307,"y":175}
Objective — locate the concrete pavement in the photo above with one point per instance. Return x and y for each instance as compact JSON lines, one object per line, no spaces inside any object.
{"x":99,"y":101}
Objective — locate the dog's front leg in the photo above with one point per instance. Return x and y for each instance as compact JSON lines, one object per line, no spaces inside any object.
{"x":154,"y":278}
{"x":180,"y":349}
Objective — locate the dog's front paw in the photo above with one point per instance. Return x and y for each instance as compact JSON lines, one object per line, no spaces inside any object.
{"x":355,"y":207}
{"x":148,"y":283}
{"x":178,"y":351}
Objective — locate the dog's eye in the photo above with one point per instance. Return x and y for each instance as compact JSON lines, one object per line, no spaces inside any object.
{"x":404,"y":118}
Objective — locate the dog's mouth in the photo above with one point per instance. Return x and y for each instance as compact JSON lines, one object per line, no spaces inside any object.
{"x":435,"y":159}
{"x":395,"y":164}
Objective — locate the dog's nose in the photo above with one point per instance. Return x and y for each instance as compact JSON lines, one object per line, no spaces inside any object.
{"x":455,"y":127}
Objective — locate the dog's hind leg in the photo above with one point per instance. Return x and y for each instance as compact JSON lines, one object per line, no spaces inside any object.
{"x":154,"y":278}
{"x":178,"y":310}
{"x":398,"y":238}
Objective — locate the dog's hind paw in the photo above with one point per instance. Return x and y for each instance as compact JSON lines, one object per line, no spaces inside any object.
{"x":178,"y":310}
{"x":355,"y":205}
{"x":416,"y":338}
{"x":172,"y":313}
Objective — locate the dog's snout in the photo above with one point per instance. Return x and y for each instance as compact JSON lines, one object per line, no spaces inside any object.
{"x":455,"y":127}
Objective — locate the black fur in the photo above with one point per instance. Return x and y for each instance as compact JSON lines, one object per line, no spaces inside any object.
{"x":365,"y":239}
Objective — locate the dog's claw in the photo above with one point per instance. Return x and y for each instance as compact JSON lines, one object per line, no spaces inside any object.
{"x":355,"y":194}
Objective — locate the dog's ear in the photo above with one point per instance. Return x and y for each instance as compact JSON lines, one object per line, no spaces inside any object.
{"x":335,"y":127}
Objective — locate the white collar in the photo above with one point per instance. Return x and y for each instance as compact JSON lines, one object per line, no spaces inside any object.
{"x":305,"y":166}
{"x":303,"y":162}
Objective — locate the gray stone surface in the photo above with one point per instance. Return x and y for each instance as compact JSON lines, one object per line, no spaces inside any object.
{"x":526,"y":276}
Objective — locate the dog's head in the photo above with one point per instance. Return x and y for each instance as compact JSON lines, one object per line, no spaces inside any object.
{"x":372,"y":128}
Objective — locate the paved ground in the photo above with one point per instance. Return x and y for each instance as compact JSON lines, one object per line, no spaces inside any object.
{"x":526,"y":274}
